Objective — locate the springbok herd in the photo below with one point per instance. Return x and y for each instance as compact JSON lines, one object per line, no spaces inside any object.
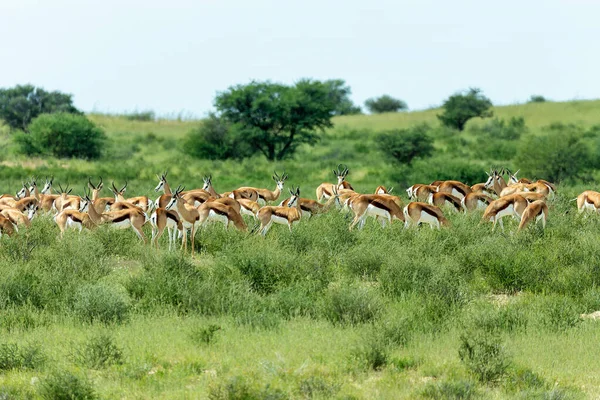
{"x":181,"y":210}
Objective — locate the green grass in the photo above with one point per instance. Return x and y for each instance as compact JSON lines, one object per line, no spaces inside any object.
{"x":321,"y":312}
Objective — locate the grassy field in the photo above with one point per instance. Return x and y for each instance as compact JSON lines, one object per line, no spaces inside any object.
{"x":322,"y":312}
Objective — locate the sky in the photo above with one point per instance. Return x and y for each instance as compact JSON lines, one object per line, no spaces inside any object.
{"x":174,"y":56}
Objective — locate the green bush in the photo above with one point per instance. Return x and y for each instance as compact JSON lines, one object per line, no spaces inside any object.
{"x":237,"y":388}
{"x":98,"y":352}
{"x":450,"y":390}
{"x":484,"y":355}
{"x":372,"y":353}
{"x":405,"y":145}
{"x":101,"y":303}
{"x":385,"y":104}
{"x":204,"y":334}
{"x":536,"y":98}
{"x":14,"y":356}
{"x":147,"y":115}
{"x":461,"y":107}
{"x":63,"y":135}
{"x":351,"y":304}
{"x":318,"y":387}
{"x":215,"y":139}
{"x":64,"y":385}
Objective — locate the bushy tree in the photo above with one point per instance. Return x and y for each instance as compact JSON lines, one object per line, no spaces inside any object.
{"x":275,"y":119}
{"x":385,"y":104}
{"x":340,"y":95}
{"x":559,"y":154}
{"x":537,"y":99}
{"x":215,"y":139}
{"x":21,"y":104}
{"x":461,"y":107}
{"x":63,"y":135}
{"x":405,"y":145}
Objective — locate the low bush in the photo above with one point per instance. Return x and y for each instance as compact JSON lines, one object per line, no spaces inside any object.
{"x":63,"y":385}
{"x":484,"y":355}
{"x":405,"y":145}
{"x":204,"y":334}
{"x":317,"y":387}
{"x":14,"y":356}
{"x":101,"y":303}
{"x":98,"y":352}
{"x":351,"y":304}
{"x":372,"y":353}
{"x":450,"y":390}
{"x":238,"y":388}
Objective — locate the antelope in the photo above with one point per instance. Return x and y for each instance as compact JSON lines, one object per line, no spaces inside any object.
{"x":71,"y":218}
{"x":378,"y":206}
{"x":162,"y":218}
{"x":132,"y":217}
{"x":325,"y":190}
{"x":310,"y":207}
{"x":420,"y":192}
{"x":541,"y":186}
{"x":512,"y":179}
{"x":24,"y":192}
{"x":22,"y":204}
{"x":280,"y":215}
{"x":533,"y":196}
{"x":265,"y":195}
{"x":455,"y":188}
{"x":249,"y":207}
{"x":45,"y":198}
{"x":383,"y":190}
{"x":440,"y":199}
{"x":482,"y":189}
{"x":418,"y":212}
{"x":120,"y":202}
{"x":17,"y":217}
{"x":436,"y":183}
{"x":6,"y":227}
{"x":101,"y":203}
{"x":199,"y":197}
{"x":141,"y":201}
{"x":513,"y":204}
{"x":9,"y":201}
{"x":188,"y":215}
{"x":515,"y":188}
{"x":536,"y":211}
{"x":588,"y":200}
{"x":475,"y":201}
{"x":64,"y":201}
{"x":215,"y":211}
{"x":163,"y":185}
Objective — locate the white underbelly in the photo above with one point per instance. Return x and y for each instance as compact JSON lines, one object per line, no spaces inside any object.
{"x":507,"y":211}
{"x":213,"y":216}
{"x":73,"y":224}
{"x":373,"y":211}
{"x":122,"y":224}
{"x":427,"y":218}
{"x":279,"y":220}
{"x":457,"y":194}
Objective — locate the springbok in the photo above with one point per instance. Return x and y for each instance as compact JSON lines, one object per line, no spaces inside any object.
{"x":188,"y":215}
{"x":536,"y":211}
{"x":215,"y":211}
{"x":588,"y":200}
{"x":289,"y":215}
{"x":6,"y":227}
{"x":162,"y":218}
{"x":44,"y":197}
{"x":455,"y":188}
{"x":77,"y":219}
{"x":132,"y":217}
{"x":475,"y":201}
{"x":440,"y":199}
{"x":420,"y":192}
{"x":325,"y":190}
{"x":513,"y":204}
{"x":163,"y":185}
{"x":310,"y":207}
{"x":266,"y":195}
{"x":102,"y":203}
{"x":19,"y":218}
{"x":381,"y":207}
{"x":418,"y":212}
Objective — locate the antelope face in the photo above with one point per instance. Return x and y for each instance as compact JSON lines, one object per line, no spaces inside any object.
{"x":294,"y":199}
{"x":512,"y":178}
{"x":23,"y":192}
{"x":280,"y":180}
{"x":31,"y":210}
{"x":207,"y":182}
{"x":176,"y":196}
{"x":84,"y":204}
{"x":171,"y":203}
{"x":162,"y":179}
{"x":489,"y":184}
{"x":47,"y":186}
{"x":341,"y":173}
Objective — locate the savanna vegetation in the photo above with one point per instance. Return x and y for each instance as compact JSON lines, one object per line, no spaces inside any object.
{"x":321,"y":312}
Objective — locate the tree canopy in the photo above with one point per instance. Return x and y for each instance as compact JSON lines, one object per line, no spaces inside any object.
{"x":21,"y":104}
{"x":384,"y":104}
{"x":275,"y":119}
{"x":461,"y":107}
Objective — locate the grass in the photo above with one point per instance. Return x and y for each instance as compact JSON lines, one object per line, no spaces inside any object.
{"x":320,"y":312}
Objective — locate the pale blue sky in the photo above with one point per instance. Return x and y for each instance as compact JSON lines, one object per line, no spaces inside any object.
{"x":175,"y":55}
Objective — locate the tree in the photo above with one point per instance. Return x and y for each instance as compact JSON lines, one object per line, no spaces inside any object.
{"x":21,"y":104}
{"x":535,"y":98}
{"x":63,"y":135}
{"x":461,"y":107}
{"x":405,"y":145}
{"x":340,"y":94}
{"x":275,"y":119}
{"x":215,"y":139}
{"x":385,"y":104}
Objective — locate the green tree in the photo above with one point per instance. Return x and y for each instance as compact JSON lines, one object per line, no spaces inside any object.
{"x":63,"y":135}
{"x":537,"y":99}
{"x":405,"y":145}
{"x":21,"y":104}
{"x":385,"y":104}
{"x":340,"y":94}
{"x":275,"y":119}
{"x":461,"y":107}
{"x":215,"y":139}
{"x":559,"y":154}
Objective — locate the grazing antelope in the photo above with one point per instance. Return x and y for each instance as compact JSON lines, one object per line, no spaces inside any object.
{"x":455,"y":188}
{"x":266,"y":195}
{"x":101,"y":203}
{"x":215,"y":211}
{"x":418,"y":212}
{"x":249,"y":207}
{"x":533,"y":196}
{"x":588,"y":200}
{"x":289,"y":215}
{"x":22,"y":204}
{"x":513,"y":204}
{"x":440,"y":199}
{"x":188,"y":214}
{"x":141,"y":201}
{"x":420,"y":192}
{"x":70,"y":218}
{"x":162,"y":218}
{"x":310,"y":207}
{"x":378,"y":206}
{"x":436,"y":183}
{"x":44,"y":197}
{"x":6,"y":227}
{"x":540,"y":186}
{"x":536,"y":211}
{"x":325,"y":190}
{"x":514,"y":188}
{"x":132,"y":217}
{"x":200,"y":197}
{"x":475,"y":201}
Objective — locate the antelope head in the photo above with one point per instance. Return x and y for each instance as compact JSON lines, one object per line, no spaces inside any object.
{"x":341,"y":173}
{"x":207,"y":182}
{"x":24,"y":192}
{"x":280,"y":180}
{"x":31,"y":210}
{"x":293,"y":202}
{"x":47,"y":186}
{"x":64,"y":192}
{"x":175,"y":196}
{"x":512,"y":178}
{"x":162,"y":179}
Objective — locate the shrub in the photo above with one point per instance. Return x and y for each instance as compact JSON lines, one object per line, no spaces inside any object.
{"x":558,"y":155}
{"x":237,"y":388}
{"x":450,"y":390}
{"x":63,"y":135}
{"x":557,"y":313}
{"x":405,"y":145}
{"x":21,"y":104}
{"x":63,"y":385}
{"x":536,"y":98}
{"x":14,"y":356}
{"x":373,"y":353}
{"x":351,"y":305}
{"x":484,"y":355}
{"x":461,"y":107}
{"x":318,"y":387}
{"x":215,"y":139}
{"x":385,"y":104}
{"x":147,"y":115}
{"x":204,"y":335}
{"x":98,"y":352}
{"x":101,"y":303}
{"x":521,"y":379}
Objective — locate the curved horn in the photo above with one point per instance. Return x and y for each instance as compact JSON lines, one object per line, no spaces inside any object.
{"x":90,"y":184}
{"x":124,"y":187}
{"x":114,"y":189}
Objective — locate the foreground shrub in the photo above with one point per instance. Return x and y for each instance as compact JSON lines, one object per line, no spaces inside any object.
{"x":450,"y":390}
{"x":405,"y":145}
{"x":557,"y":313}
{"x":237,"y":388}
{"x":318,"y":387}
{"x":350,"y":305}
{"x":101,"y":303}
{"x":484,"y":355}
{"x":63,"y":385}
{"x":372,"y":353}
{"x":14,"y":356}
{"x":98,"y":352}
{"x":204,"y":334}
{"x":63,"y":135}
